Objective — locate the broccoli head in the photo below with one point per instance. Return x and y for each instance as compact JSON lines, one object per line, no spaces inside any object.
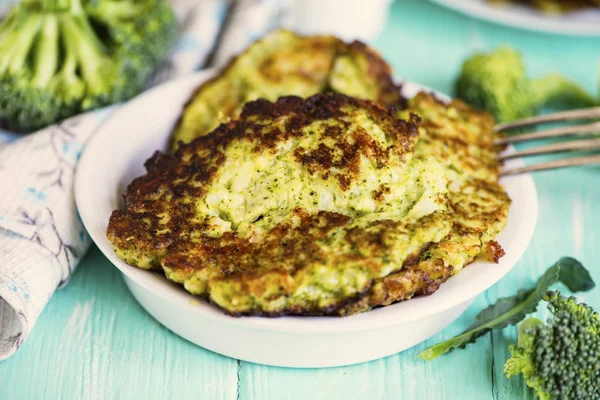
{"x":497,"y":82}
{"x":559,"y":359}
{"x":62,"y":57}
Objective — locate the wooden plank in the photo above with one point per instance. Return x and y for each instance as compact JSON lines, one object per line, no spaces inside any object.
{"x":382,"y":379}
{"x":426,"y":43}
{"x":567,"y":225}
{"x":95,"y":342}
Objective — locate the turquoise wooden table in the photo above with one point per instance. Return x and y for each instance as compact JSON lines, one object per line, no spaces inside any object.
{"x":93,"y":341}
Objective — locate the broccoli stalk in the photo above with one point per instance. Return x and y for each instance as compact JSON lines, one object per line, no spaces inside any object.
{"x":497,"y":82}
{"x":556,"y":90}
{"x":66,"y":84}
{"x":61,"y":57}
{"x":513,"y":309}
{"x":521,"y":361}
{"x":15,"y":48}
{"x":46,"y":52}
{"x":559,"y":359}
{"x":82,"y":43}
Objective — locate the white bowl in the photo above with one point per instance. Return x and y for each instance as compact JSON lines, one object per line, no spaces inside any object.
{"x":115,"y":155}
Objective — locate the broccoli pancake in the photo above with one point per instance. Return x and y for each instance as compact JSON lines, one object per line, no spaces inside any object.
{"x":461,"y":138}
{"x":295,"y":208}
{"x":284,"y":63}
{"x":329,"y":205}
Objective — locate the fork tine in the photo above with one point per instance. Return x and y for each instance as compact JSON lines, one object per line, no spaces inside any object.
{"x":550,"y":133}
{"x":565,"y":162}
{"x":574,"y":145}
{"x":582,"y":114}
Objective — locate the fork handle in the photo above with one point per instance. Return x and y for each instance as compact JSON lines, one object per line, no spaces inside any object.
{"x":551,"y":133}
{"x":563,"y":163}
{"x":581,"y":114}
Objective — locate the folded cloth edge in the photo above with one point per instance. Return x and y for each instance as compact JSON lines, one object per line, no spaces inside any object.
{"x":25,"y":292}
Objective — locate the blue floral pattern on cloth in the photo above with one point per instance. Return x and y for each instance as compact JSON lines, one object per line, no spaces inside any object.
{"x":42,"y":237}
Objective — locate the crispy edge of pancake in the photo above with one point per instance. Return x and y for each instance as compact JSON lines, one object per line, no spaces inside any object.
{"x":251,"y":287}
{"x":368,"y":60}
{"x":424,"y":275}
{"x":174,"y":143}
{"x":429,"y":271}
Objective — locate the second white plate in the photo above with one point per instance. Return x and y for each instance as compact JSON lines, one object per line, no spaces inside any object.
{"x":585,"y":22}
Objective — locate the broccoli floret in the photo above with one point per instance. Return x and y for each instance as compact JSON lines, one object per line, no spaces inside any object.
{"x":497,"y":82}
{"x":559,"y":359}
{"x":61,"y":57}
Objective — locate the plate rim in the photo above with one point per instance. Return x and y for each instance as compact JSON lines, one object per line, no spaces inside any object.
{"x":371,"y":320}
{"x":509,"y":17}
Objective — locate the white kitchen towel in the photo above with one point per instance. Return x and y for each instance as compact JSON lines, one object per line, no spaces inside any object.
{"x":41,"y":236}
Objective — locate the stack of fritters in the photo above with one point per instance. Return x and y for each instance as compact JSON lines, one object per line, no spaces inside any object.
{"x":317,"y":206}
{"x":280,"y":64}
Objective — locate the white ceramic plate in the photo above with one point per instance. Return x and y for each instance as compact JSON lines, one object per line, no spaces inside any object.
{"x":115,"y":155}
{"x":584,"y":22}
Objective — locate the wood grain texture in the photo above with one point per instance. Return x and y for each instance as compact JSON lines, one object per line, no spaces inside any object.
{"x":95,"y":342}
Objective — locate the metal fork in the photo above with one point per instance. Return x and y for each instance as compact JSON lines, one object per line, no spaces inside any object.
{"x":576,"y":145}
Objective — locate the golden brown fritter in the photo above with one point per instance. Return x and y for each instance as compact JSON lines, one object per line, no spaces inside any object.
{"x":284,"y":63}
{"x":329,"y":205}
{"x":461,"y":138}
{"x":295,"y":208}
